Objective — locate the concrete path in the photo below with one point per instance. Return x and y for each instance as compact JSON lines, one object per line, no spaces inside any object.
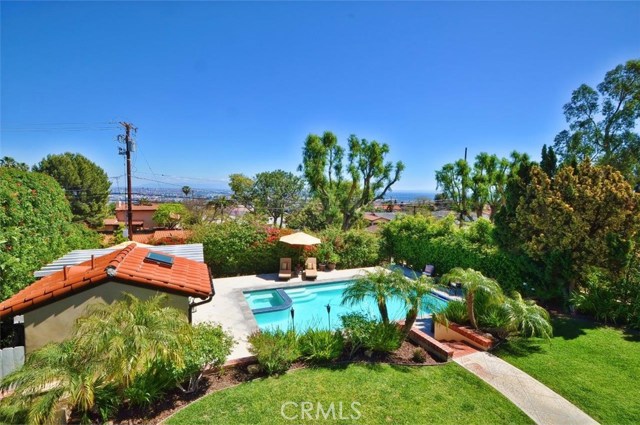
{"x":539,"y":402}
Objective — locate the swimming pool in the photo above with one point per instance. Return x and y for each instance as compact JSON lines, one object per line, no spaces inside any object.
{"x":272,"y":307}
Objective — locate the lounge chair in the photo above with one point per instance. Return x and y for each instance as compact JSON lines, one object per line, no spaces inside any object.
{"x":310,"y":269}
{"x":285,"y":269}
{"x":429,"y":270}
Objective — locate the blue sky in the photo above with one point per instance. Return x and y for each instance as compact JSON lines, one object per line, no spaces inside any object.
{"x":219,"y":88}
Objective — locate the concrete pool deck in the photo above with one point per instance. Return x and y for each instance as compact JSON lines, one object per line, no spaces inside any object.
{"x":230,"y":309}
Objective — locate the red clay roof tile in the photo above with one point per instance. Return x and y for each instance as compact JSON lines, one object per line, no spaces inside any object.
{"x":186,"y":277}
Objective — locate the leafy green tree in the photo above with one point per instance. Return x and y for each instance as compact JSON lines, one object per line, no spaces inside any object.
{"x":369,"y":176}
{"x":454,"y":180}
{"x":601,"y":122}
{"x":171,"y":215}
{"x":277,"y":192}
{"x":473,"y":283}
{"x":379,"y":285}
{"x":549,"y":162}
{"x":86,"y":185}
{"x":35,"y":227}
{"x":242,"y":188}
{"x":586,"y":216}
{"x":8,"y":161}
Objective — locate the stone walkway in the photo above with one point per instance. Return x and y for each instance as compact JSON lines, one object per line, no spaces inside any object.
{"x":539,"y":402}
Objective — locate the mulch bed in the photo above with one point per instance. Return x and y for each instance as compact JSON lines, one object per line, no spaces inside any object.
{"x":176,"y":399}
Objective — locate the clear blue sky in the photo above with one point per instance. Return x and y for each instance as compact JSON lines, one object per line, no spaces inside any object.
{"x":218,"y":88}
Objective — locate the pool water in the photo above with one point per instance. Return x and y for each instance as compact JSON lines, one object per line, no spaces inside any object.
{"x":310,"y":306}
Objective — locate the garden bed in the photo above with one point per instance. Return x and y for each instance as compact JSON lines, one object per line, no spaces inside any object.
{"x":233,"y":376}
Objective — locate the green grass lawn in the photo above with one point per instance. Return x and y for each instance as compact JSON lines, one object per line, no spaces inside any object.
{"x":435,"y":395}
{"x":596,"y":368}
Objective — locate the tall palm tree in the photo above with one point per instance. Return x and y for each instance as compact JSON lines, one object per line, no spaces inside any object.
{"x":380,"y":284}
{"x":186,"y":190}
{"x":473,"y":283}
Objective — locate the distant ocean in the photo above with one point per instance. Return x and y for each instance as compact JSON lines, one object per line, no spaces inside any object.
{"x":408,"y":196}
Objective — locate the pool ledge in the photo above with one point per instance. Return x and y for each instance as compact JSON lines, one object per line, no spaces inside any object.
{"x":284,"y":306}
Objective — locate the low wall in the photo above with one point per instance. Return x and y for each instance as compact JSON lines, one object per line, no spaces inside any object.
{"x":10,"y":359}
{"x":455,"y":332}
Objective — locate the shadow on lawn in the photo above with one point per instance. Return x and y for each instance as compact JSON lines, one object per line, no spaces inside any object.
{"x":520,"y":347}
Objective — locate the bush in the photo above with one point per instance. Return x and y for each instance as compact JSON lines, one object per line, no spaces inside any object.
{"x":419,"y":356}
{"x":354,"y":248}
{"x":240,"y":247}
{"x":275,"y":350}
{"x":131,"y":352}
{"x":419,"y":240}
{"x":363,"y":332}
{"x":455,"y":311}
{"x":320,"y":346}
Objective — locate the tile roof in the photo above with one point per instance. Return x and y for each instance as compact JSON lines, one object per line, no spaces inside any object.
{"x":185,"y":277}
{"x":177,"y":233}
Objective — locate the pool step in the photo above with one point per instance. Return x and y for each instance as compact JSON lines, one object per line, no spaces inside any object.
{"x":300,"y":295}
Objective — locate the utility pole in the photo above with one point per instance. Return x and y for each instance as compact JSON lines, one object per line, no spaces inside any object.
{"x":129,"y":147}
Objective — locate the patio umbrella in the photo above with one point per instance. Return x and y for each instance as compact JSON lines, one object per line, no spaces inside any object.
{"x":300,"y":239}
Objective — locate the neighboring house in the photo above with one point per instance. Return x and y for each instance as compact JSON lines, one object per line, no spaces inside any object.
{"x":374,"y":220}
{"x":51,"y":305}
{"x":142,"y":217}
{"x":161,"y":236}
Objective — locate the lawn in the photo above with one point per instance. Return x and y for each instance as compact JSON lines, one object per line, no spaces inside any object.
{"x":435,"y":395}
{"x":595,"y":367}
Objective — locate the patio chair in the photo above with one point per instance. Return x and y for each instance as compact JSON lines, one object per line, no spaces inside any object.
{"x":310,"y":269}
{"x":429,"y":270}
{"x":285,"y":269}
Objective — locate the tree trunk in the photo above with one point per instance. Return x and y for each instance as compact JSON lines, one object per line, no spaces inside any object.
{"x":412,"y":315}
{"x":384,"y":314}
{"x":479,"y":213}
{"x":470,"y":309}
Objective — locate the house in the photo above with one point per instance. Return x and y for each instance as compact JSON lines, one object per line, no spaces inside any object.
{"x":51,"y":305}
{"x":142,"y":216}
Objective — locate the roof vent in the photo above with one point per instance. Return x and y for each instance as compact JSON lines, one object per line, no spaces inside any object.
{"x":161,"y":259}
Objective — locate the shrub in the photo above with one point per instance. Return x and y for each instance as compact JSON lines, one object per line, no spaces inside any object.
{"x":354,"y":248}
{"x":363,"y":332}
{"x":129,"y":352}
{"x":319,"y":346}
{"x":275,"y":350}
{"x":419,"y":356}
{"x":455,"y":311}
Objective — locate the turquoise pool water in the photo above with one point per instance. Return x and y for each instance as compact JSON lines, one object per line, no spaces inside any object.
{"x":310,"y":306}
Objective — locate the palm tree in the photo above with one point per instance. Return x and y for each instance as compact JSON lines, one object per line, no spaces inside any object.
{"x":130,"y":337}
{"x":526,"y":317}
{"x":52,"y":378}
{"x":380,"y":284}
{"x":473,"y":283}
{"x":186,"y":190}
{"x":412,"y":293}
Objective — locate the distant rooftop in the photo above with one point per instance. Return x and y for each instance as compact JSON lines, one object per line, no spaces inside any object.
{"x":192,"y":251}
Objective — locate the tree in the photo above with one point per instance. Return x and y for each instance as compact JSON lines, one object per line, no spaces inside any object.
{"x":379,"y":285}
{"x":601,"y":122}
{"x":7,"y":161}
{"x":413,"y":293}
{"x":549,"y":162}
{"x":86,"y":185}
{"x":242,"y":187}
{"x":186,"y":190}
{"x":277,"y":192}
{"x":35,"y":227}
{"x":474,"y":284}
{"x":586,"y":216}
{"x":369,"y":176}
{"x":171,"y":215}
{"x":473,"y":188}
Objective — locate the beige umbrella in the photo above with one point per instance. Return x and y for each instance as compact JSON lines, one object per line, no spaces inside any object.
{"x":300,"y":239}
